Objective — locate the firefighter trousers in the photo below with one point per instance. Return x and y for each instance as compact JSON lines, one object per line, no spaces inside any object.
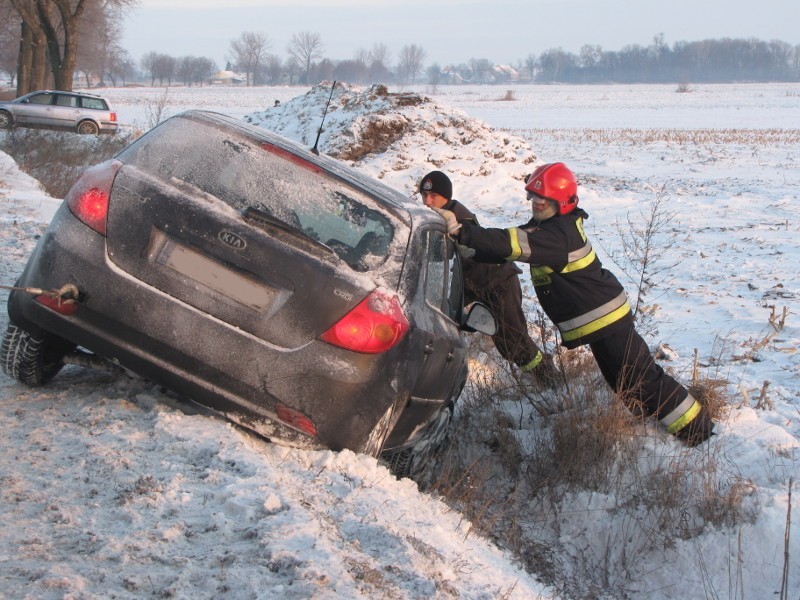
{"x":631,"y":371}
{"x":512,"y":339}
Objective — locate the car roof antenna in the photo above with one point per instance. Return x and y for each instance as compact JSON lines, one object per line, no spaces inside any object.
{"x":319,"y":131}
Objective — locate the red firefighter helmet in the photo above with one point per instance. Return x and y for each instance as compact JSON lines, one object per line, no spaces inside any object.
{"x":555,"y":182}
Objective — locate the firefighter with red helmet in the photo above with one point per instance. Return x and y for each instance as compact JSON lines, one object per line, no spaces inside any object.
{"x":585,"y":301}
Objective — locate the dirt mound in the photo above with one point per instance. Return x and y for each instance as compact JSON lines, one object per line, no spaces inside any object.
{"x":398,"y":137}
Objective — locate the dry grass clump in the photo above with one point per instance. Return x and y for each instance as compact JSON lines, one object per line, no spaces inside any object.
{"x":639,"y":137}
{"x":509,"y":96}
{"x":532,"y":481}
{"x":56,"y":158}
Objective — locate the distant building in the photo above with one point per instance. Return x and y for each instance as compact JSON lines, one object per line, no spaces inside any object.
{"x":503,"y":73}
{"x":226,"y":78}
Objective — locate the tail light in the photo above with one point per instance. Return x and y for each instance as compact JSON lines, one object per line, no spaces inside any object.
{"x":88,"y":198}
{"x":376,"y":324}
{"x":112,"y":117}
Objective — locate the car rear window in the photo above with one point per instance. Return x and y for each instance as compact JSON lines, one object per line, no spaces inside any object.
{"x":96,"y":103}
{"x":239,"y":171}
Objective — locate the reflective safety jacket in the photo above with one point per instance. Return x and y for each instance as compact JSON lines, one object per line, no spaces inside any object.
{"x":480,"y":277}
{"x":584,"y":300}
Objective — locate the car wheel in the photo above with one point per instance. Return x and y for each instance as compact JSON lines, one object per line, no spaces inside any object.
{"x":412,"y":461}
{"x":88,"y":128}
{"x":32,"y":359}
{"x":5,"y":120}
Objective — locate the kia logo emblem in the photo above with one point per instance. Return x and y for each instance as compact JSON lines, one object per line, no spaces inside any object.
{"x":232,"y":240}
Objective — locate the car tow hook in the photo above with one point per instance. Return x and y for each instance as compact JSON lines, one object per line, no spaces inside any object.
{"x":66,"y":294}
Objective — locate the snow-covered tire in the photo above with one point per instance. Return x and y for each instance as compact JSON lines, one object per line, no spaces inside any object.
{"x":32,"y":359}
{"x":412,"y":461}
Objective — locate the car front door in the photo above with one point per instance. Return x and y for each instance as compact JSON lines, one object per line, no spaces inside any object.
{"x":444,"y":350}
{"x":36,"y":111}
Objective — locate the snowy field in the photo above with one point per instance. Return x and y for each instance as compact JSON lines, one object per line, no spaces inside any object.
{"x":109,"y":489}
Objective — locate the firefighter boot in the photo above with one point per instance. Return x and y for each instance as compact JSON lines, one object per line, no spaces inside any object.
{"x":544,"y":376}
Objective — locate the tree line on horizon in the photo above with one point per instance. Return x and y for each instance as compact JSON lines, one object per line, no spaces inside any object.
{"x":62,"y":43}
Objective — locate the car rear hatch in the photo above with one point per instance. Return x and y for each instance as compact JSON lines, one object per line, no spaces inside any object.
{"x":247,"y":231}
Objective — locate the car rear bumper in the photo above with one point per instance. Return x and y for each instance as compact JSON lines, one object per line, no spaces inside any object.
{"x":189,"y":351}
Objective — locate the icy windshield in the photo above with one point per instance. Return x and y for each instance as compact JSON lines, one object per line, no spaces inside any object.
{"x":245,"y":174}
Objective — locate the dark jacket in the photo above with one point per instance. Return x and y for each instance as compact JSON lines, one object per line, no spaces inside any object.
{"x":480,"y":277}
{"x":584,"y":300}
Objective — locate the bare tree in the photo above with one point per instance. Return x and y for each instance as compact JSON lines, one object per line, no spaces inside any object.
{"x":121,"y":67}
{"x":193,"y":69}
{"x":10,"y":32}
{"x":99,"y":31}
{"x":248,"y":52}
{"x":380,"y":54}
{"x":482,"y":68}
{"x":32,"y":59}
{"x":165,"y":68}
{"x":148,"y":65}
{"x":530,"y":66}
{"x":273,"y":68}
{"x":379,"y":59}
{"x":304,"y":48}
{"x":411,"y":62}
{"x":56,"y":22}
{"x":159,"y":66}
{"x":292,"y":67}
{"x":434,"y":73}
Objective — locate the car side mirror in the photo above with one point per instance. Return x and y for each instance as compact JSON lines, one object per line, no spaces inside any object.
{"x":478,"y":317}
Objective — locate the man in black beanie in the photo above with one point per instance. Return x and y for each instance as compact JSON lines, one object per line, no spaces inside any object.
{"x":497,"y":286}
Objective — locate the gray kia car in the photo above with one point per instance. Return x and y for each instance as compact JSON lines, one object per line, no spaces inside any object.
{"x":278,"y":288}
{"x":74,"y":111}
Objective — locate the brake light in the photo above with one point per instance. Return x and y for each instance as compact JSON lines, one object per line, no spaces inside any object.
{"x":88,"y":198}
{"x":112,"y":117}
{"x":291,"y":157}
{"x":376,"y":324}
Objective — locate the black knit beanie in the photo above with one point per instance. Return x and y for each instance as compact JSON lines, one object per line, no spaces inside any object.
{"x":438,"y":183}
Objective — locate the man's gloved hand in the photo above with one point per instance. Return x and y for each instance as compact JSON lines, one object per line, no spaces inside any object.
{"x":465,"y":251}
{"x":450,"y":219}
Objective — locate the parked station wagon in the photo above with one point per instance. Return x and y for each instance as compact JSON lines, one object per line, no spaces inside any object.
{"x":74,"y":111}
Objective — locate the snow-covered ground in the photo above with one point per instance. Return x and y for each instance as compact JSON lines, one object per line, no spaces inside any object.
{"x":109,"y":488}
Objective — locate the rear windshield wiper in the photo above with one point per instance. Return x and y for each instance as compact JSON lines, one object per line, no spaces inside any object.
{"x":278,"y":227}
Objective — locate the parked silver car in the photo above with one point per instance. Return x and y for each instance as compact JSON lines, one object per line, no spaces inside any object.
{"x":75,"y":111}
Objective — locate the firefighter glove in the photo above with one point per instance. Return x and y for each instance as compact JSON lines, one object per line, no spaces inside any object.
{"x":465,"y":251}
{"x":450,"y":220}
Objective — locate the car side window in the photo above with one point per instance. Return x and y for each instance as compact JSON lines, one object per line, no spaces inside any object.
{"x":70,"y":101}
{"x":41,"y":99}
{"x":443,"y":278}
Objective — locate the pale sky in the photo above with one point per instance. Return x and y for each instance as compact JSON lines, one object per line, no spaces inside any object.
{"x":451,"y":31}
